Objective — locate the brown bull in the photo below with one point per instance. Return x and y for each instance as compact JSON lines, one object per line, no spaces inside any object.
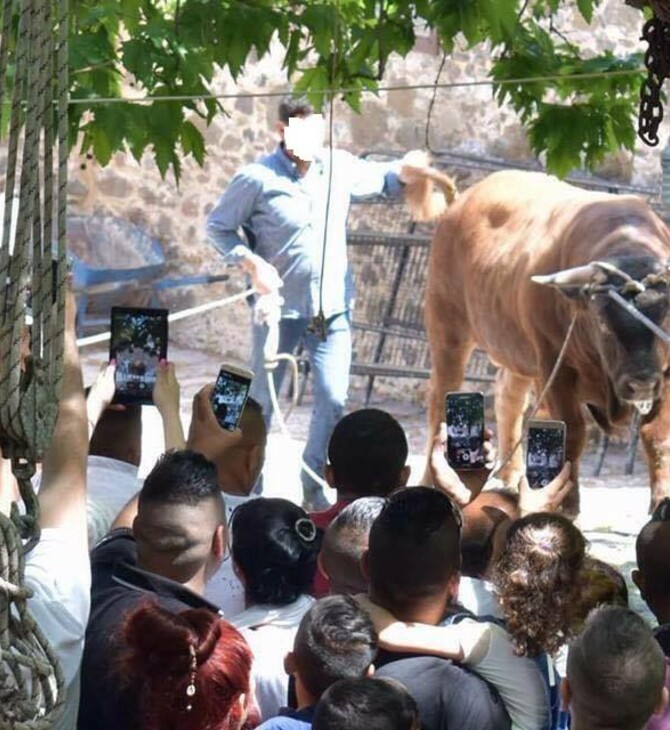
{"x":514,"y":225}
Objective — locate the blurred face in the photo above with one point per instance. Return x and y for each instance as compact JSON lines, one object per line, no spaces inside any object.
{"x":303,"y":136}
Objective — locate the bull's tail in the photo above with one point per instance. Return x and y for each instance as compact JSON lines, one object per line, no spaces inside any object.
{"x":428,"y":196}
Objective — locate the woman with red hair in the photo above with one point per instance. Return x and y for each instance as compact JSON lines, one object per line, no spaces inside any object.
{"x":193,"y":670}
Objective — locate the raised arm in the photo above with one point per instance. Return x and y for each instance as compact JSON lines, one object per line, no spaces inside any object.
{"x":166,"y":400}
{"x":63,"y":488}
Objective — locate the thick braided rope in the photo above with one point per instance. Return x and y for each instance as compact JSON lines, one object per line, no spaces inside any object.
{"x":31,"y":681}
{"x":30,"y":677}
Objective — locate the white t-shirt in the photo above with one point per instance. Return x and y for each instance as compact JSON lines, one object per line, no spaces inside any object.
{"x":111,"y":484}
{"x":58,"y":571}
{"x":270,"y":632}
{"x":224,"y":588}
{"x":489,"y":651}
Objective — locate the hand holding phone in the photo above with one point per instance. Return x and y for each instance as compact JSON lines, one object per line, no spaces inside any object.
{"x":465,"y":430}
{"x":138,"y":343}
{"x":230,"y":394}
{"x":545,"y":452}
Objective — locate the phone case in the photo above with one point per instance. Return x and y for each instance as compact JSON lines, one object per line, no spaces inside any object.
{"x":139,"y":340}
{"x":465,"y":430}
{"x":545,"y":452}
{"x":230,"y":395}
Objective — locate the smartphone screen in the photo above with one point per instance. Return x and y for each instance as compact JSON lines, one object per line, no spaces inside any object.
{"x":545,"y":452}
{"x":465,"y":430}
{"x":230,"y":395}
{"x":138,"y":342}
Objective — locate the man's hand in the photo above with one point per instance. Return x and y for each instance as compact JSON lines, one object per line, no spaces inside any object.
{"x":464,"y":485}
{"x":547,"y":499}
{"x":205,"y":434}
{"x":264,"y":277}
{"x":415,"y":165}
{"x":381,"y":618}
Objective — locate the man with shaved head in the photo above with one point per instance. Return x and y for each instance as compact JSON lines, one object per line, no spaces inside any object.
{"x":176,"y":543}
{"x":616,"y":673}
{"x":344,"y":544}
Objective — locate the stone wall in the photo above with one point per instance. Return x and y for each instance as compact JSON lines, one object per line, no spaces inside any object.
{"x":465,"y":118}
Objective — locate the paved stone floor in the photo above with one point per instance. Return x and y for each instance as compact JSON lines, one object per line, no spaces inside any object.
{"x":614,"y":506}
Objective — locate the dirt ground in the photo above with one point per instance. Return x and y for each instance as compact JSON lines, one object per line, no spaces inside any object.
{"x":614,"y":506}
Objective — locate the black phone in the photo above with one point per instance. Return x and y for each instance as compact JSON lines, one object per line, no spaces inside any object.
{"x":230,"y":395}
{"x":139,"y":340}
{"x":545,"y":452}
{"x":465,"y":430}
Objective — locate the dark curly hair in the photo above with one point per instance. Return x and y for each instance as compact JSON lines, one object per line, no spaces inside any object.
{"x":536,"y":578}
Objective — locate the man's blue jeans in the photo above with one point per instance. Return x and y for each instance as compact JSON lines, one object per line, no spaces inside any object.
{"x":330,"y":361}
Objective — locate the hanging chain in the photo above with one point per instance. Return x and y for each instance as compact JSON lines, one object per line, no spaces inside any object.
{"x":657,"y":61}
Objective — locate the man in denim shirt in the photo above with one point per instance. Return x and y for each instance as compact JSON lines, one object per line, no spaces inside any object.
{"x":282,"y":204}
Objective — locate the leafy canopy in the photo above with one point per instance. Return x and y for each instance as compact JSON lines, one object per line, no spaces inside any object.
{"x":172,"y":48}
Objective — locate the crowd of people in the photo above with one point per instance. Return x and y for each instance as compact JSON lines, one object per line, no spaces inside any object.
{"x":191,"y":601}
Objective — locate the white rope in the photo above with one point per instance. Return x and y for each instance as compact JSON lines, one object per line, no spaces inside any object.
{"x":176,"y":316}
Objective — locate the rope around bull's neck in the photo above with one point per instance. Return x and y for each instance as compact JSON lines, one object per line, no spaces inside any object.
{"x":31,"y":681}
{"x":541,"y":397}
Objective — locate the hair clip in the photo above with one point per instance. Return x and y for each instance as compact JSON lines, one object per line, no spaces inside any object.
{"x":306,"y":529}
{"x":190,"y":689}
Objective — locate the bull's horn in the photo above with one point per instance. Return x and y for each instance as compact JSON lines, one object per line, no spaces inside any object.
{"x":570,"y":278}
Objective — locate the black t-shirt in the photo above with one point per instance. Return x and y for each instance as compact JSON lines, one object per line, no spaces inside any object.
{"x":117,"y":587}
{"x":449,"y":696}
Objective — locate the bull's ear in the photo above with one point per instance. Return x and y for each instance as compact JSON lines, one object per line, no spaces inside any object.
{"x":571,"y":282}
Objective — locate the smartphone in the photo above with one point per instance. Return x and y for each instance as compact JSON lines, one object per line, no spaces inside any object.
{"x":139,"y":339}
{"x":545,"y":452}
{"x":230,"y":394}
{"x":465,"y":430}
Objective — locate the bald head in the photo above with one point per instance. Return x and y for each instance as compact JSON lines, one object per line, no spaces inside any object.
{"x":615,"y":672}
{"x":181,"y":517}
{"x":118,"y":434}
{"x":481,"y":518}
{"x":344,"y":544}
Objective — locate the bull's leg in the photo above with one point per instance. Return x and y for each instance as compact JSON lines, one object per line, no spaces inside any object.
{"x":655,"y":435}
{"x":449,"y":357}
{"x":563,"y":405}
{"x":510,"y":402}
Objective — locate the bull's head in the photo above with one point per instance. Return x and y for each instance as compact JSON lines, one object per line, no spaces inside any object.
{"x":632,"y":356}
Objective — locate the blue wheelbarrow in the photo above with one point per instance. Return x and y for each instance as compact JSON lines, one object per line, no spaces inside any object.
{"x":115,"y":262}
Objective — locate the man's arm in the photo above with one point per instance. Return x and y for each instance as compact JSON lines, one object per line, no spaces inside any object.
{"x":166,"y":400}
{"x":233,"y":209}
{"x":63,"y":488}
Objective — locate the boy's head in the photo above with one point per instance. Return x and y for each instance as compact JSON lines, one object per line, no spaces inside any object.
{"x":367,"y":454}
{"x":344,"y":544}
{"x":652,"y":576}
{"x":601,"y":585}
{"x":335,"y":640}
{"x":414,"y":555}
{"x":366,"y":704}
{"x":615,"y":672}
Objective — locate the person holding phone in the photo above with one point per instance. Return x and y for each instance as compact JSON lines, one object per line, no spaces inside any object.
{"x":283,"y":203}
